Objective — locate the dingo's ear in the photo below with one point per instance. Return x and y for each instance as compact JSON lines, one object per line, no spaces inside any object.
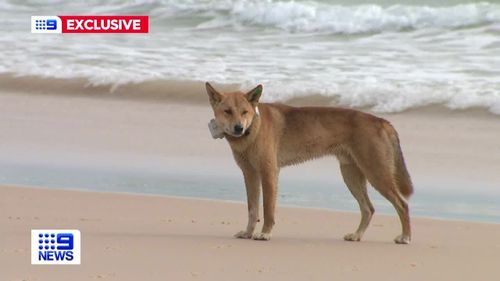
{"x":214,"y":96}
{"x":253,"y":95}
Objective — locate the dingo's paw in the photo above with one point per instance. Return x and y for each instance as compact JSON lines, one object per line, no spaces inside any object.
{"x":402,"y":239}
{"x":352,"y":237}
{"x":243,"y":235}
{"x":262,"y":236}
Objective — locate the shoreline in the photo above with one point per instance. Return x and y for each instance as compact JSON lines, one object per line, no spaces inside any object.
{"x":190,"y":92}
{"x":242,"y":201}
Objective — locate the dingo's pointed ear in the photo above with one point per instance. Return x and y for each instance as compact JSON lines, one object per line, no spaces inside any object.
{"x":253,"y":95}
{"x":214,"y":96}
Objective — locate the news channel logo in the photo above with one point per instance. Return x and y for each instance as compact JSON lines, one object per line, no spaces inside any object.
{"x":46,"y":24}
{"x":55,"y":246}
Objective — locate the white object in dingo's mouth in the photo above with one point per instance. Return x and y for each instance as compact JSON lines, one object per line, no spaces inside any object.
{"x":216,"y":131}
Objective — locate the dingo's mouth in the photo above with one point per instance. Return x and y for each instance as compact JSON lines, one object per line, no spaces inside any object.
{"x":237,"y":135}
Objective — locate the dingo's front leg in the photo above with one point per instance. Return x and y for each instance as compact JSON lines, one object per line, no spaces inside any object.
{"x":270,"y":188}
{"x":252,"y":184}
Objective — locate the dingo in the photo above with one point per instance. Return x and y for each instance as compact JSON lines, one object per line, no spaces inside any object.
{"x":267,"y":136}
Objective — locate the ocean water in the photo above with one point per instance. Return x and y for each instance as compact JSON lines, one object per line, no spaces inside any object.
{"x":428,"y":200}
{"x":384,"y":55}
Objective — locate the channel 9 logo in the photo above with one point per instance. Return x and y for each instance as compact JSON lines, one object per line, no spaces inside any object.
{"x":46,"y":24}
{"x":55,"y":246}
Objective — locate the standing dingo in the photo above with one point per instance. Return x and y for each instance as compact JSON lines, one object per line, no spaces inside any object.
{"x":267,"y":136}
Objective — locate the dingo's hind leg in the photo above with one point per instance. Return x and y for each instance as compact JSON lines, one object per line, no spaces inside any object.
{"x":377,"y":162}
{"x":401,"y":206}
{"x":384,"y":182}
{"x":356,"y":182}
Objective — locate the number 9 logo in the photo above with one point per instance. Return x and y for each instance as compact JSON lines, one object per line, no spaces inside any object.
{"x":51,"y":24}
{"x":65,"y":241}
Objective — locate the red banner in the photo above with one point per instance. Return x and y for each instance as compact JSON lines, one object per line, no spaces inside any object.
{"x":105,"y":24}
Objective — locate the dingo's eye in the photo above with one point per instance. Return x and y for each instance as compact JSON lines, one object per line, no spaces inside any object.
{"x":244,"y":112}
{"x":228,"y":112}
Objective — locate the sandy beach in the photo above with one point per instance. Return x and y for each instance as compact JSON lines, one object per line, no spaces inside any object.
{"x":136,"y":237}
{"x":132,"y":237}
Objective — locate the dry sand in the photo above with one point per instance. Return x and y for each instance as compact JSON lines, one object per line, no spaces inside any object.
{"x":131,"y":237}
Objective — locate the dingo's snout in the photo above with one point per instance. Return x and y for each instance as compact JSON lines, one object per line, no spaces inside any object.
{"x":238,"y":129}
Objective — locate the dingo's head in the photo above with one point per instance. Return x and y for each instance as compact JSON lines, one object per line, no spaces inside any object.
{"x":234,"y":111}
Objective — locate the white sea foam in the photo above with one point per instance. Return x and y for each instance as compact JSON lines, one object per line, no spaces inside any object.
{"x":388,"y":58}
{"x":317,"y":17}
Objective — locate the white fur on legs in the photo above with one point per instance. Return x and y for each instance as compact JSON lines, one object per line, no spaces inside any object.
{"x":352,"y":237}
{"x":261,"y":236}
{"x":243,"y":235}
{"x":253,"y":218}
{"x":402,"y":239}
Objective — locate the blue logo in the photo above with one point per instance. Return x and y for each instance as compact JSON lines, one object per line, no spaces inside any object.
{"x":45,"y":24}
{"x":55,"y":247}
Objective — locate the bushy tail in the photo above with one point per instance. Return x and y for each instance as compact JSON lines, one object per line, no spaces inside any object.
{"x":401,"y":173}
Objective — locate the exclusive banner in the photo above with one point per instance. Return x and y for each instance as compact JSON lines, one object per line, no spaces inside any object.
{"x":90,"y":24}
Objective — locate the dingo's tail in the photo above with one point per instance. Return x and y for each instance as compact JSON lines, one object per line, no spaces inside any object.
{"x":403,"y":179}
